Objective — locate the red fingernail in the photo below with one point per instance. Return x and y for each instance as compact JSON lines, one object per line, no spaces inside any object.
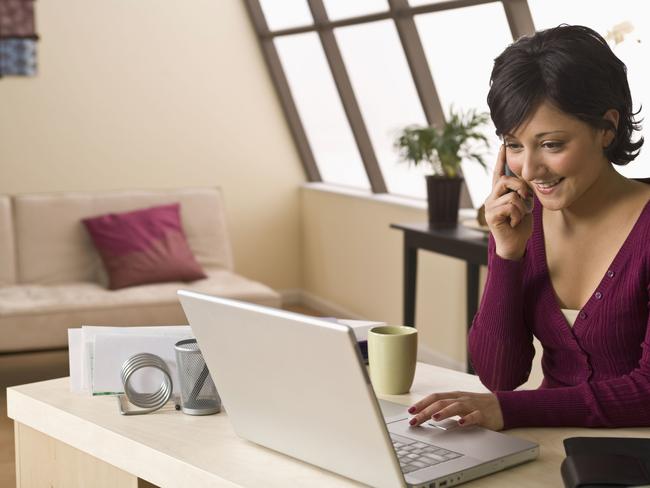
{"x":436,"y":416}
{"x":412,"y":421}
{"x":412,"y":410}
{"x":461,"y":421}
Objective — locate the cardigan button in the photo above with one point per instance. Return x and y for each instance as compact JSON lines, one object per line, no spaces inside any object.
{"x":610,"y":273}
{"x":598,"y":295}
{"x":583,"y":315}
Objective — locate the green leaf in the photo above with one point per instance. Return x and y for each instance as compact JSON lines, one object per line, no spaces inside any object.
{"x":444,"y":148}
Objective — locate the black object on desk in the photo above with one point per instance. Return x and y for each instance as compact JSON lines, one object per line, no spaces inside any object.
{"x":458,"y":242}
{"x":606,"y":462}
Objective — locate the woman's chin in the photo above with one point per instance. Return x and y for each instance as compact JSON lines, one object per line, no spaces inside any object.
{"x":551,"y":203}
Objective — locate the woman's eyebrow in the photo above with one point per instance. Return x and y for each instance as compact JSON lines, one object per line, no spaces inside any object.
{"x":537,"y":136}
{"x":542,"y":134}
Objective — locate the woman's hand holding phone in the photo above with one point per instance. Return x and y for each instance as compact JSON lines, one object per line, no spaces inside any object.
{"x":507,"y":212}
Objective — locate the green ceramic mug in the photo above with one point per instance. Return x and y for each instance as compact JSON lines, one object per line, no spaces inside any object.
{"x":392,"y":354}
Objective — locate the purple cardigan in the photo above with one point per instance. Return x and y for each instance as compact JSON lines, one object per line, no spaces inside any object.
{"x":596,"y":374}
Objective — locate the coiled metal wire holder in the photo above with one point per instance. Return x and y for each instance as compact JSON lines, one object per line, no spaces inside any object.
{"x":148,"y":402}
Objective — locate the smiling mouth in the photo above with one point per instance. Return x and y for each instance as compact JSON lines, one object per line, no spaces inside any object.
{"x":549,"y":184}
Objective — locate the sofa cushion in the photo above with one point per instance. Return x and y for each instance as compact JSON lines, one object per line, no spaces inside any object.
{"x":7,"y":252}
{"x":143,"y":246}
{"x":37,"y":317}
{"x":53,"y":247}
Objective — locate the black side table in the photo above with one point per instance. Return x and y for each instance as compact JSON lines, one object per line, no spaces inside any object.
{"x":458,"y":242}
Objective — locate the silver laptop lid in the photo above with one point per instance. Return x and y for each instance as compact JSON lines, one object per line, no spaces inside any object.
{"x":294,"y":384}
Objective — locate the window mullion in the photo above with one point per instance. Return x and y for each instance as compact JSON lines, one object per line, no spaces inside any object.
{"x":519,"y":18}
{"x":348,"y":99}
{"x":274,"y":65}
{"x":417,"y":62}
{"x":421,"y":73}
{"x":422,"y":77}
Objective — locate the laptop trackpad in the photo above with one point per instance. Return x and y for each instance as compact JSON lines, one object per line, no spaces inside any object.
{"x":393,"y":412}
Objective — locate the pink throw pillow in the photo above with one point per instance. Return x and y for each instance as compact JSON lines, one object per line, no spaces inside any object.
{"x":144,"y":246}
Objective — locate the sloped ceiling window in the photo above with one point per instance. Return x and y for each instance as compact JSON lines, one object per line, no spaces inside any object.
{"x":342,"y":9}
{"x":462,"y":71}
{"x":384,"y":87}
{"x":321,"y":111}
{"x":352,"y":74}
{"x":286,"y":14}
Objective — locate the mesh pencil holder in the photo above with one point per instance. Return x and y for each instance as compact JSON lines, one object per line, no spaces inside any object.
{"x":198,"y":394}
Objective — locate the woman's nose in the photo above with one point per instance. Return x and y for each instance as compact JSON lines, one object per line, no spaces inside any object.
{"x":530,"y":166}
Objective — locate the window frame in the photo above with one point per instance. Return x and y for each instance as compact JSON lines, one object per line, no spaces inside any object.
{"x":403,"y":15}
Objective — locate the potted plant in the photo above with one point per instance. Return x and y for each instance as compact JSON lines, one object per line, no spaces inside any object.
{"x":443,"y":149}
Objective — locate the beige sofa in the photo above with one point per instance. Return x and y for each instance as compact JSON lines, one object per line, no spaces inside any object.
{"x":51,"y":277}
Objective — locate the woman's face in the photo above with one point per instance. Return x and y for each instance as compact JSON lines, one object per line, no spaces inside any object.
{"x":559,"y":156}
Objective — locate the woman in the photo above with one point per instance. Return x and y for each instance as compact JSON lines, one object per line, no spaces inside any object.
{"x":574,"y":268}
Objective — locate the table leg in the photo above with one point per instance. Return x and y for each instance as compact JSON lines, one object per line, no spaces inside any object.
{"x":472,"y":302}
{"x":410,"y":278}
{"x":42,"y":460}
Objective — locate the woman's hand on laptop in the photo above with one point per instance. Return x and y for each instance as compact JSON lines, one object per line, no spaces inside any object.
{"x":473,"y":408}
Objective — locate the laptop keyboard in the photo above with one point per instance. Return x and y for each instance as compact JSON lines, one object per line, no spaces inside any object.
{"x":414,"y":455}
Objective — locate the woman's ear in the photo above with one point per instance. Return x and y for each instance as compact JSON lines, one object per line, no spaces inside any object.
{"x":612,"y":116}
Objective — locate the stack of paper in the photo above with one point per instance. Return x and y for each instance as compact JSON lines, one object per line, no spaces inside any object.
{"x":96,"y":355}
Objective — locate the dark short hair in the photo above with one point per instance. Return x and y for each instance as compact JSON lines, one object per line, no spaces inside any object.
{"x":573,"y":68}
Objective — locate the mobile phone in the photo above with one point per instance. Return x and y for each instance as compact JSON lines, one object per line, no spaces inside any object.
{"x":509,"y":173}
{"x":528,"y":201}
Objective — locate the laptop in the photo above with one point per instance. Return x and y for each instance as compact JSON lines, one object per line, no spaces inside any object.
{"x":298,"y":385}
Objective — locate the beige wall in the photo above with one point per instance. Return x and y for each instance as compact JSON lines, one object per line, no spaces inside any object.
{"x":352,"y":258}
{"x":156,"y":94}
{"x":153,"y":94}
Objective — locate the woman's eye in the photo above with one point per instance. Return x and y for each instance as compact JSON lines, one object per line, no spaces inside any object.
{"x":513,"y":146}
{"x":552,"y":145}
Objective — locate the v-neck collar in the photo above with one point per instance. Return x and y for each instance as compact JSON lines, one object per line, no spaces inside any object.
{"x":612,"y":271}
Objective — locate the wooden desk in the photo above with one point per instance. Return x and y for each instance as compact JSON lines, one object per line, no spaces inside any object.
{"x":458,"y":242}
{"x":64,"y":439}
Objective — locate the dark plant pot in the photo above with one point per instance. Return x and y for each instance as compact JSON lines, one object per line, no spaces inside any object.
{"x":443,"y":195}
